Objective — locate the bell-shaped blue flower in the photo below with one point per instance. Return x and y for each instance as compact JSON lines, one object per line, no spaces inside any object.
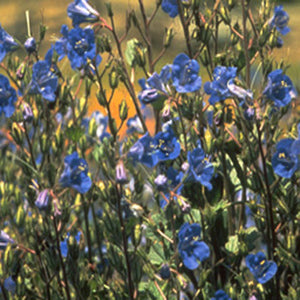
{"x":285,"y":161}
{"x":200,"y":168}
{"x":220,"y":295}
{"x":8,"y":97}
{"x":79,"y":45}
{"x":30,"y":45}
{"x":80,"y":12}
{"x":262,"y":269}
{"x":280,"y":88}
{"x":75,"y":174}
{"x":7,"y":43}
{"x":44,"y":81}
{"x":185,"y":74}
{"x":42,"y":201}
{"x":280,"y":20}
{"x":154,"y":87}
{"x":170,"y":7}
{"x":218,"y":88}
{"x":190,"y":248}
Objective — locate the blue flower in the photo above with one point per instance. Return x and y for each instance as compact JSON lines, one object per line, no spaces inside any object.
{"x":7,"y":43}
{"x":8,"y":97}
{"x":10,"y":285}
{"x":80,"y":11}
{"x":143,"y":152}
{"x":43,"y":81}
{"x":280,"y":88}
{"x":42,"y":201}
{"x":262,"y":269}
{"x":185,"y":74}
{"x":190,"y":248}
{"x":154,"y":87}
{"x":166,"y":145}
{"x":75,"y":174}
{"x":220,"y":295}
{"x":79,"y":45}
{"x":5,"y":239}
{"x":280,"y":20}
{"x":150,"y":151}
{"x":30,"y":45}
{"x":200,"y":170}
{"x":218,"y":89}
{"x":285,"y":160}
{"x":170,"y":7}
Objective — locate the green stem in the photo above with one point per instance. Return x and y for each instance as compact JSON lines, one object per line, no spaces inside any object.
{"x":86,"y":221}
{"x":67,"y":289}
{"x":125,"y":244}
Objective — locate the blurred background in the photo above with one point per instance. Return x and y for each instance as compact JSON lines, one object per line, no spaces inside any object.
{"x":53,"y":13}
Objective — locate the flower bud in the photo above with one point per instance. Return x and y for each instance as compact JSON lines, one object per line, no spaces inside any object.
{"x":17,"y":134}
{"x":30,"y":45}
{"x":165,"y":272}
{"x":161,"y":181}
{"x":113,"y":79}
{"x":21,"y":71}
{"x":169,"y":33}
{"x":123,"y":110}
{"x":121,"y":176}
{"x":27,"y":113}
{"x":42,"y":201}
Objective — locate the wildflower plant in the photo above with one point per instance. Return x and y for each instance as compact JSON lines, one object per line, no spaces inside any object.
{"x":186,"y":189}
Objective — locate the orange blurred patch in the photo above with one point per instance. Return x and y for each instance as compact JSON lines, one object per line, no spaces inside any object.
{"x":119,"y":95}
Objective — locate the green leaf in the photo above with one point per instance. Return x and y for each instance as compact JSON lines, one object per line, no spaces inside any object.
{"x":156,"y":254}
{"x":74,"y":133}
{"x":251,"y":235}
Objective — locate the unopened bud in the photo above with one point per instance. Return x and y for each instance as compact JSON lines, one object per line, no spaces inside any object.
{"x":121,"y":176}
{"x":42,"y":201}
{"x":27,"y":113}
{"x":169,"y":33}
{"x":123,"y":110}
{"x":21,"y":71}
